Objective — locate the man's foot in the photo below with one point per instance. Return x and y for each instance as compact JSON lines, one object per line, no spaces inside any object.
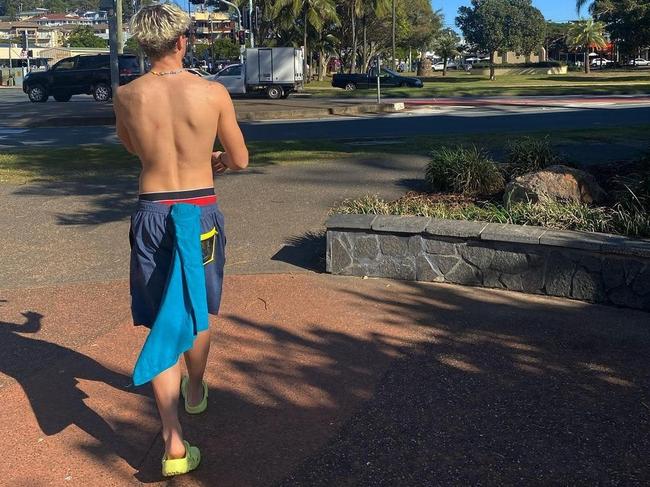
{"x":194,"y":403}
{"x":179,"y":466}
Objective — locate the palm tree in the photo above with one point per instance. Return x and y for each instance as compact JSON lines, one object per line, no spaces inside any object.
{"x":586,"y":34}
{"x":314,"y":13}
{"x":595,"y":6}
{"x":378,"y":9}
{"x":325,"y":45}
{"x":447,"y":46}
{"x":582,"y":3}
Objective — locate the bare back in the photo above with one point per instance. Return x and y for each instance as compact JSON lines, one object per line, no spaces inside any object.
{"x":170,"y":123}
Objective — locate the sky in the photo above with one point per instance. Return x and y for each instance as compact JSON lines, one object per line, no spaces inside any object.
{"x":557,"y":10}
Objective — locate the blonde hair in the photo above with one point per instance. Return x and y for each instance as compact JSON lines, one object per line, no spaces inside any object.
{"x":156,"y":28}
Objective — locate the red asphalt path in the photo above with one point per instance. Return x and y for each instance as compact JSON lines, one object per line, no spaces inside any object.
{"x":293,"y":358}
{"x":526,"y":101}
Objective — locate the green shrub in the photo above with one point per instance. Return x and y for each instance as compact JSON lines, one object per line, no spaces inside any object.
{"x":529,"y":154}
{"x":633,"y":189}
{"x":464,"y":170}
{"x":633,"y":222}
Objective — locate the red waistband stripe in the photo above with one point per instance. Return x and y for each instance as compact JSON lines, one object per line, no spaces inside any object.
{"x":199,"y":201}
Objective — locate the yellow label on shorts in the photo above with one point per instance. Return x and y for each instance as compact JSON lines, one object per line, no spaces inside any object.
{"x":208,"y":243}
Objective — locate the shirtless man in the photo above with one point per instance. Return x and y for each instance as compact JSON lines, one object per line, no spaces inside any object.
{"x":169,"y":118}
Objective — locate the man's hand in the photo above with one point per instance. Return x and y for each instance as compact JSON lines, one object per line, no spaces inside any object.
{"x":218,"y":166}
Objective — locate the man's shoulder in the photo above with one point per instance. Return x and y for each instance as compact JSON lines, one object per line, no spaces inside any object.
{"x":212,"y":91}
{"x":129,"y":89}
{"x":213,"y":87}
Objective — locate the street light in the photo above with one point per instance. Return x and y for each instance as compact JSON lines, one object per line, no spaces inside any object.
{"x":241,"y":57}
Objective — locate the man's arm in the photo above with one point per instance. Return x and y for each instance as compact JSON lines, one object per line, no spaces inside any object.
{"x":122,"y":132}
{"x":235,"y":155}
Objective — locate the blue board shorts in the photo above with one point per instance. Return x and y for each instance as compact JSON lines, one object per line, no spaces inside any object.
{"x":152,"y":241}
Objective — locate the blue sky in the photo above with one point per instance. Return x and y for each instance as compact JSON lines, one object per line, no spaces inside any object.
{"x":558,"y":10}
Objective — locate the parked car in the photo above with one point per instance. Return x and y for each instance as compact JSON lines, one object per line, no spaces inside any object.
{"x":387,"y":78}
{"x":276,"y":71}
{"x":79,"y":75}
{"x":439,"y":66}
{"x":639,"y":62}
{"x":598,"y":62}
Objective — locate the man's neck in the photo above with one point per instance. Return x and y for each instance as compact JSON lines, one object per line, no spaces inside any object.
{"x":167,"y":64}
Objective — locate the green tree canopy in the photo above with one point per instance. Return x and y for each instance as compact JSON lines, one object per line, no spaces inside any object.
{"x":131,"y":46}
{"x":555,"y":38}
{"x":502,"y":25}
{"x":83,"y":36}
{"x":626,"y":21}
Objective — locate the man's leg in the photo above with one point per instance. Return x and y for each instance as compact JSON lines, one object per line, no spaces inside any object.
{"x":166,"y":389}
{"x":195,"y":360}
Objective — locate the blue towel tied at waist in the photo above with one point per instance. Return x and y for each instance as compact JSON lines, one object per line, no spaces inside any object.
{"x":183,"y":310}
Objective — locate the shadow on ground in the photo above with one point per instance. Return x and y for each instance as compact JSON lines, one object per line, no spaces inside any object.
{"x":306,"y":251}
{"x":55,"y":399}
{"x":101,"y":200}
{"x":504,"y":392}
{"x":389,"y":383}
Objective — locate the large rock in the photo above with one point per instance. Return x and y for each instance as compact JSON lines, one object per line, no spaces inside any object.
{"x":555,"y":183}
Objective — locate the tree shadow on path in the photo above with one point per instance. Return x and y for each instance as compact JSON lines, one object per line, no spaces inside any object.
{"x":506,"y":392}
{"x":54,"y":397}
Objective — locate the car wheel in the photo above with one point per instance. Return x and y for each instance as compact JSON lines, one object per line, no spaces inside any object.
{"x":37,"y":94}
{"x":401,"y":85}
{"x":102,"y":92}
{"x":350,"y":86}
{"x":62,"y":98}
{"x":274,"y":92}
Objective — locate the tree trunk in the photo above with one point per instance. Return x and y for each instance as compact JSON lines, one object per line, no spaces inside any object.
{"x":424,"y":69}
{"x":393,"y":34}
{"x":492,"y":70}
{"x":587,"y":59}
{"x":365,"y":44}
{"x":353,"y":61}
{"x":305,"y":74}
{"x":321,"y":65}
{"x":444,"y":68}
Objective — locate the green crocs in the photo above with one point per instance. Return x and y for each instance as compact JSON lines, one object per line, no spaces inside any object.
{"x":200,"y":407}
{"x":179,"y":466}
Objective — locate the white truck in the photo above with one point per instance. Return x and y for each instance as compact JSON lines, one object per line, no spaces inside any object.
{"x":276,"y":71}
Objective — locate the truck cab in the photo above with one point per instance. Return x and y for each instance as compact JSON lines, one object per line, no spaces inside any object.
{"x":232,"y":78}
{"x":276,"y":72}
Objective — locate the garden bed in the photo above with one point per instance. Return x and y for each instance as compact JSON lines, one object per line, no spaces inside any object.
{"x":470,"y":229}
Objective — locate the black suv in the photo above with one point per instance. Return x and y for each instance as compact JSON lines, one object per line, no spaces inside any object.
{"x":79,"y":75}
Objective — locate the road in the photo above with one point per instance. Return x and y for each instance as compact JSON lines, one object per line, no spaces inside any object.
{"x":448,"y":116}
{"x":425,"y":121}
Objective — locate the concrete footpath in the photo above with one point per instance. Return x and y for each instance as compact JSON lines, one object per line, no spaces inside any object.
{"x":316,"y":380}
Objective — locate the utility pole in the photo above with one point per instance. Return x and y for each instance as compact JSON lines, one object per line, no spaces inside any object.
{"x":239,"y":25}
{"x":113,"y":41}
{"x":120,"y":30}
{"x":394,"y":21}
{"x":378,"y":79}
{"x":250,"y":22}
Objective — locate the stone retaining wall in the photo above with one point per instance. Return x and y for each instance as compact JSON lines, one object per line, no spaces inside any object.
{"x":591,"y":267}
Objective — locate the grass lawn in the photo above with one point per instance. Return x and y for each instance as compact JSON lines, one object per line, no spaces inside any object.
{"x":106,"y":161}
{"x":466,"y":84}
